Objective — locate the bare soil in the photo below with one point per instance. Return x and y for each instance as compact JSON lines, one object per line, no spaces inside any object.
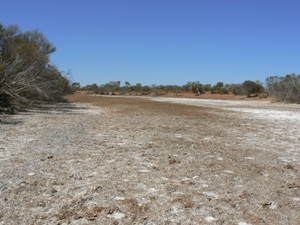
{"x":151,"y":160}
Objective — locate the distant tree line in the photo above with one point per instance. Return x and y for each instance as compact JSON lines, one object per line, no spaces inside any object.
{"x":285,"y":88}
{"x":26,"y":75}
{"x":282,"y":88}
{"x":247,"y":88}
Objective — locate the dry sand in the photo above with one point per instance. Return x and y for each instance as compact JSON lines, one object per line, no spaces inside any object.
{"x":135,"y":160}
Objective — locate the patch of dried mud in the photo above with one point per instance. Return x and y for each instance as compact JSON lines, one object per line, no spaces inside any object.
{"x":127,"y":161}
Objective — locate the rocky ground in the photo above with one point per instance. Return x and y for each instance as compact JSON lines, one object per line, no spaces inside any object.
{"x":135,"y":160}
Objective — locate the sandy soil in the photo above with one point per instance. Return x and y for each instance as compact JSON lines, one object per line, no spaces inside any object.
{"x":135,"y":160}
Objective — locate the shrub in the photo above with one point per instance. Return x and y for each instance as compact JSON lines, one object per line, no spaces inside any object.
{"x":25,"y":73}
{"x":284,"y":88}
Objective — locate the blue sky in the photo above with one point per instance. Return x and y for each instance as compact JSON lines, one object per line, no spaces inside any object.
{"x":165,"y":41}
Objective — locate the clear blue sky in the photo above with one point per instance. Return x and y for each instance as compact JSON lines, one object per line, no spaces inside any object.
{"x":165,"y":41}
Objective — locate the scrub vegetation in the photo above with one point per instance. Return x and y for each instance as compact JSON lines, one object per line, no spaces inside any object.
{"x":284,"y":89}
{"x":26,"y":75}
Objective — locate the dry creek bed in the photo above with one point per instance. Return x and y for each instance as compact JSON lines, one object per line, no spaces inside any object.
{"x":151,"y":161}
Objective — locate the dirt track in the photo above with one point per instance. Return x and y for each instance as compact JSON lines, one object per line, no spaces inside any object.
{"x":151,"y":161}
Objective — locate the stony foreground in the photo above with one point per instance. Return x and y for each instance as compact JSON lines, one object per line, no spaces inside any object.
{"x":113,"y":160}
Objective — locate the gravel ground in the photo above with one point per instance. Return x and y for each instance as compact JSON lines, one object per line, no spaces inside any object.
{"x":114,"y":160}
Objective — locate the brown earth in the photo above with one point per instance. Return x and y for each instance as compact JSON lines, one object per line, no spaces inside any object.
{"x":205,"y":95}
{"x":146,"y":160}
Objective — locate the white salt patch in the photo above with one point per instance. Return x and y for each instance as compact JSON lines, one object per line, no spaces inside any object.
{"x":197,"y":101}
{"x":31,"y":174}
{"x":296,"y":199}
{"x":110,"y":161}
{"x":220,"y":158}
{"x":210,"y":219}
{"x":152,"y":189}
{"x":273,"y":205}
{"x":284,"y":159}
{"x":270,"y":114}
{"x":30,"y":139}
{"x":178,"y":193}
{"x":243,"y":223}
{"x":228,"y":171}
{"x":119,"y":198}
{"x":249,"y":158}
{"x":117,"y":215}
{"x":144,"y":171}
{"x":149,"y":164}
{"x":174,"y":209}
{"x":239,"y":107}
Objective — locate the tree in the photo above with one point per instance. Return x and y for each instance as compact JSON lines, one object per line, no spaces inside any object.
{"x":112,"y":86}
{"x":138,"y":87}
{"x":26,"y":75}
{"x":194,"y":86}
{"x":236,"y":89}
{"x":284,"y":88}
{"x":75,"y":86}
{"x":217,"y":87}
{"x":207,"y":87}
{"x":92,"y":87}
{"x":259,"y":87}
{"x":249,"y":87}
